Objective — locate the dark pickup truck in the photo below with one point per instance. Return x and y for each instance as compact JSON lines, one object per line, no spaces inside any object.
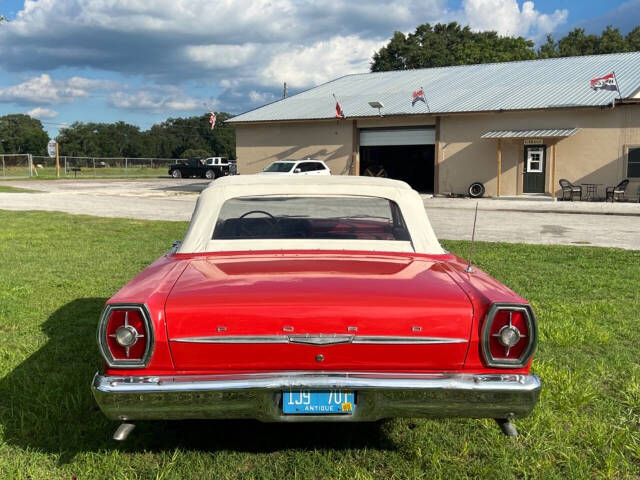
{"x":211,"y":168}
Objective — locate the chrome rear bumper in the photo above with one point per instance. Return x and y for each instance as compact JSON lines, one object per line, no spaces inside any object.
{"x":259,"y":396}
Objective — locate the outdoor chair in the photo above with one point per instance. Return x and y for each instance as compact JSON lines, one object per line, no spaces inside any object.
{"x":617,"y":191}
{"x":569,"y":190}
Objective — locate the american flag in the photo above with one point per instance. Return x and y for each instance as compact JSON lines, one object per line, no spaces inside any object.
{"x":212,"y":120}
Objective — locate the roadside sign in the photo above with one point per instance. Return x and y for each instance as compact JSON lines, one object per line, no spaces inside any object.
{"x":51,"y":149}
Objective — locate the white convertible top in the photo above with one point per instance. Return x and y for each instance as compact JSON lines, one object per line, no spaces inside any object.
{"x":198,"y":236}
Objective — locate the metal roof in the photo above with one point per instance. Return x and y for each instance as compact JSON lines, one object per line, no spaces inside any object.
{"x":531,"y":84}
{"x":540,"y":133}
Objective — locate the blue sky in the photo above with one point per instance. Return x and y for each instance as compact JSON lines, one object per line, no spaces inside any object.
{"x":143,"y":61}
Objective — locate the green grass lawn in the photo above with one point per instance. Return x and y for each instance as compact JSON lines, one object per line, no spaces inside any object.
{"x":9,"y":189}
{"x":56,"y":271}
{"x":49,"y":173}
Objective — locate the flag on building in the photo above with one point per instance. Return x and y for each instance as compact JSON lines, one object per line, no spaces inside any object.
{"x":418,"y":96}
{"x":339,"y":111}
{"x":608,"y":82}
{"x":212,"y":120}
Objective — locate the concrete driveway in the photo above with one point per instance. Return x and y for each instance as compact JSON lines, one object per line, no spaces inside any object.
{"x":541,"y":222}
{"x":504,"y":220}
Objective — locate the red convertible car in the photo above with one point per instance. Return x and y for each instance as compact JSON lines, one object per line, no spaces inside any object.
{"x":314,"y":299}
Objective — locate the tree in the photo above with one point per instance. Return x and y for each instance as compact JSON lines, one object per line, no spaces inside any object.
{"x":118,"y":139}
{"x":175,"y":135}
{"x":444,"y":45}
{"x":549,"y":49}
{"x":612,"y":41}
{"x":449,"y":44}
{"x":577,"y":43}
{"x":20,"y":133}
{"x":222,"y":141}
{"x":169,"y":139}
{"x":195,"y":153}
{"x":633,"y":39}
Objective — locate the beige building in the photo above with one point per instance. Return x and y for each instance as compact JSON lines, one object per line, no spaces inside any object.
{"x":517,"y":128}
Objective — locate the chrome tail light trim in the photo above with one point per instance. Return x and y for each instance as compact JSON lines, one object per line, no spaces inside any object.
{"x":531,"y":338}
{"x":102,"y":336}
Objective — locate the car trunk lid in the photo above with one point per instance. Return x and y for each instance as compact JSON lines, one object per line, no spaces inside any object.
{"x":300,"y":311}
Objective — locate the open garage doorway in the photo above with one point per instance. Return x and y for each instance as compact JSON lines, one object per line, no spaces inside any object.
{"x":413,"y":164}
{"x":406,"y":154}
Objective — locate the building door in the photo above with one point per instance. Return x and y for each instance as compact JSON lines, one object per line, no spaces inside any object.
{"x":534,"y":169}
{"x":403,"y":153}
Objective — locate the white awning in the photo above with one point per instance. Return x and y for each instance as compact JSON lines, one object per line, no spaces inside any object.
{"x":539,"y":133}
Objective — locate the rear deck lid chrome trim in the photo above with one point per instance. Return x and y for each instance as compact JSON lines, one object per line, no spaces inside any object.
{"x":322,"y":339}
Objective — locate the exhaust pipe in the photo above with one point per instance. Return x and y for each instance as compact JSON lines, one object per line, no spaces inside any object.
{"x":123,"y":431}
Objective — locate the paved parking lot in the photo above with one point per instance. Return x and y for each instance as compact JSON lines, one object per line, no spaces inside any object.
{"x":526,"y":221}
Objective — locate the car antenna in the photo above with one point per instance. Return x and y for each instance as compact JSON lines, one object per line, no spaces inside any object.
{"x":469,"y":269}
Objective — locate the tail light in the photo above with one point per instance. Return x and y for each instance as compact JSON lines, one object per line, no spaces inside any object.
{"x":509,"y":335}
{"x":125,"y":335}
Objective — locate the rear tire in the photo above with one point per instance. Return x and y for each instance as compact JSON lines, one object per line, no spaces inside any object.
{"x":176,"y":174}
{"x":476,"y":190}
{"x":210,"y":175}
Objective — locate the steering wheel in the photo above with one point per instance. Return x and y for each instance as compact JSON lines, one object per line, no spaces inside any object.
{"x":270,"y":221}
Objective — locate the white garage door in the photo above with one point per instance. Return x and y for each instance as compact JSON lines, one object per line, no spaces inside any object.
{"x":376,"y":137}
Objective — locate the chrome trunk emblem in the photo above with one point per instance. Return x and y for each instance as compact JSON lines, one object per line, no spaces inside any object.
{"x":320,"y":339}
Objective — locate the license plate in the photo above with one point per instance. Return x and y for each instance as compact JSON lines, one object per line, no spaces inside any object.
{"x":318,"y":402}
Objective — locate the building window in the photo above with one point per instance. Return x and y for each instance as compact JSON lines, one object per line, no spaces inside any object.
{"x":633,"y":162}
{"x":534,"y":160}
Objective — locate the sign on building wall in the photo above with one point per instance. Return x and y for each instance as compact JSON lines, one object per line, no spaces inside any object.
{"x":533,"y":141}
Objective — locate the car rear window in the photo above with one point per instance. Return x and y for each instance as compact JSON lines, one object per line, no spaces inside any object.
{"x":280,"y":167}
{"x":310,"y":217}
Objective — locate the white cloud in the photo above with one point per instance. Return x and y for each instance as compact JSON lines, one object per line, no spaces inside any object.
{"x":507,"y":18}
{"x":322,"y":61}
{"x":46,"y":90}
{"x":221,"y":56}
{"x":156,"y":100}
{"x":243,"y":49}
{"x":42,"y":113}
{"x":42,"y":89}
{"x":261,"y":97}
{"x":82,"y":83}
{"x":180,"y":39}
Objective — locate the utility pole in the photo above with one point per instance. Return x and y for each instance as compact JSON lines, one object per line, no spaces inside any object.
{"x":284,"y":93}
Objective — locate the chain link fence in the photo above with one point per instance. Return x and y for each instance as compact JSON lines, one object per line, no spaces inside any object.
{"x":27,"y":165}
{"x":15,"y":165}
